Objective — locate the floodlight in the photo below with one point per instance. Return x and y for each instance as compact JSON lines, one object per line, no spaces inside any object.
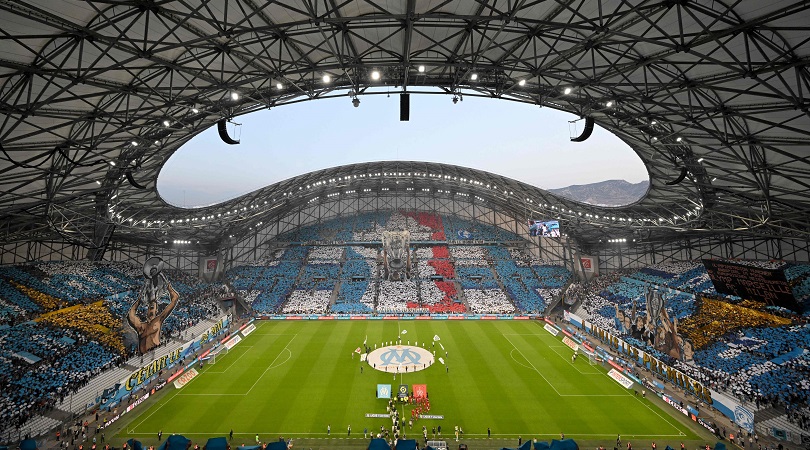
{"x":375,"y":75}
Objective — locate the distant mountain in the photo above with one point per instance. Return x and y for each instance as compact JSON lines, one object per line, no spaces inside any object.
{"x":604,"y":193}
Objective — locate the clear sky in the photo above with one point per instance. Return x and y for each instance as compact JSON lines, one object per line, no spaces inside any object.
{"x":520,"y":141}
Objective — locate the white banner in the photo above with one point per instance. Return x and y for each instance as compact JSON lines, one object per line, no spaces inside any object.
{"x":621,"y":379}
{"x":732,"y":409}
{"x":187,"y":376}
{"x":570,"y":342}
{"x":551,"y":329}
{"x":248,"y":329}
{"x":233,"y":341}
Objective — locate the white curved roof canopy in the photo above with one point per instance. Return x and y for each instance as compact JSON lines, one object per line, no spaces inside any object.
{"x":715,"y":88}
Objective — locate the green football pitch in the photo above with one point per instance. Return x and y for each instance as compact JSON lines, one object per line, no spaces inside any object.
{"x":295,"y":378}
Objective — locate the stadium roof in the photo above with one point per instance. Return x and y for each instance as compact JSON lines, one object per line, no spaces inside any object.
{"x":97,"y":95}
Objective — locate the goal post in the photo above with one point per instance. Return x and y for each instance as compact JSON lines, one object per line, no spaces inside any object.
{"x":593,"y":358}
{"x":212,"y":359}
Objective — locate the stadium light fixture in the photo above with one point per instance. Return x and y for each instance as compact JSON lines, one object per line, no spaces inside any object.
{"x":567,"y":91}
{"x":166,"y":123}
{"x":134,"y":143}
{"x":700,"y":159}
{"x":195,"y":110}
{"x":421,"y":69}
{"x":653,"y":123}
{"x":356,"y":102}
{"x":98,"y":182}
{"x":112,"y":163}
{"x":474,"y":76}
{"x":609,"y":104}
{"x":375,"y":75}
{"x":678,"y":139}
{"x":234,"y":95}
{"x":522,"y":83}
{"x":279,"y":86}
{"x":327,"y":78}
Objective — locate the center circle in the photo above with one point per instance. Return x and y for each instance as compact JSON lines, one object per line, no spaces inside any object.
{"x":400,"y":359}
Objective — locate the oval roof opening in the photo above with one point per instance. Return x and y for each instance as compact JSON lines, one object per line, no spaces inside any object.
{"x":517,"y":140}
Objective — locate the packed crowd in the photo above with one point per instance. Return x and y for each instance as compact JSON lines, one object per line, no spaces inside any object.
{"x":353,"y":273}
{"x":488,"y":301}
{"x":740,"y":346}
{"x":41,"y":364}
{"x":307,"y":302}
{"x":78,"y":307}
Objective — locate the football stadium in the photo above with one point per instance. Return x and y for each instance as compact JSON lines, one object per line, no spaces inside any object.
{"x":398,"y":303}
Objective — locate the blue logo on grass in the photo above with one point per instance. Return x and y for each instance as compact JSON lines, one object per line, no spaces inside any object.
{"x":400,"y":356}
{"x":383,"y":391}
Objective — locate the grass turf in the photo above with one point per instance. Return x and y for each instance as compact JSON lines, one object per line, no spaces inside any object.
{"x":293,"y":378}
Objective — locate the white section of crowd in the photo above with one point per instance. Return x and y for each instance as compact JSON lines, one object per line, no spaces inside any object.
{"x":305,"y":301}
{"x":488,"y":301}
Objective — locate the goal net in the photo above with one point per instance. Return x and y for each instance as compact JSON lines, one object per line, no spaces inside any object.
{"x":593,"y":358}
{"x":212,"y":359}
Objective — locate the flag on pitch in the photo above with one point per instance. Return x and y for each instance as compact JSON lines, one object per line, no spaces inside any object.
{"x":358,"y":350}
{"x":383,"y":391}
{"x":419,"y":390}
{"x":403,"y":391}
{"x":436,"y":338}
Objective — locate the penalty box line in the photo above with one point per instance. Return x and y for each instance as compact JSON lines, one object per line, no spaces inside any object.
{"x":270,"y":366}
{"x":554,"y":387}
{"x":533,"y":366}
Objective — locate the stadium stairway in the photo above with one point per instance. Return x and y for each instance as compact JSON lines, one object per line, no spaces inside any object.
{"x":335,"y":291}
{"x":770,"y":418}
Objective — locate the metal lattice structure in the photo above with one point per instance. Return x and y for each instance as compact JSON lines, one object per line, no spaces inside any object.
{"x":96,"y":96}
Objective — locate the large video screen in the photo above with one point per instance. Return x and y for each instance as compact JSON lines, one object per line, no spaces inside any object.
{"x":752,"y":283}
{"x":544,"y":228}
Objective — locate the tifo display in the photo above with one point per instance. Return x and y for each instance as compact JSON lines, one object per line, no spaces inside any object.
{"x":79,"y":336}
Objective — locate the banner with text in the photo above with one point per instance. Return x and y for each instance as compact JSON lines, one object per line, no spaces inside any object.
{"x":752,"y":283}
{"x":621,"y":379}
{"x":184,"y":379}
{"x":248,"y":329}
